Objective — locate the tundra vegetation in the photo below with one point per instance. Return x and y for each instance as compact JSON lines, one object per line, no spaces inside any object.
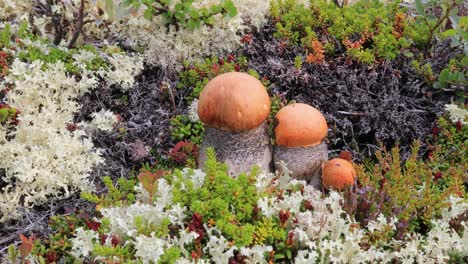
{"x":101,"y":139}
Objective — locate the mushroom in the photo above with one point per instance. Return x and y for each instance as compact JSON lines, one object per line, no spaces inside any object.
{"x":234,"y":107}
{"x":300,"y":130}
{"x":337,"y":174}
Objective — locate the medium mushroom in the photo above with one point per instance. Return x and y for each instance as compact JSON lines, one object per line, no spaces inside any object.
{"x":300,"y":130}
{"x":234,"y":106}
{"x":337,"y":174}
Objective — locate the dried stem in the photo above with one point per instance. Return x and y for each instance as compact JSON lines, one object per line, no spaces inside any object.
{"x":79,"y":23}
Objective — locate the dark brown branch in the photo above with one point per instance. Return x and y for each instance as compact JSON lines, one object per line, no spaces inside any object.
{"x":439,"y":22}
{"x":79,"y":23}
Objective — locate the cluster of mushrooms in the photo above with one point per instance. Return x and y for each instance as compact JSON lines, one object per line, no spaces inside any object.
{"x":234,"y":107}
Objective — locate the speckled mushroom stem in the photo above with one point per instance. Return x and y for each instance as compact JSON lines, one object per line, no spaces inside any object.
{"x":240,"y":151}
{"x":305,"y":163}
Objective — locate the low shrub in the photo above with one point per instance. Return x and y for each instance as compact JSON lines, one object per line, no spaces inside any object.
{"x":183,"y":128}
{"x":189,"y":216}
{"x":366,"y":31}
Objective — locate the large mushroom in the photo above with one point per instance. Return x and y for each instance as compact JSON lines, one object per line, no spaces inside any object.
{"x":300,"y":130}
{"x":234,"y":106}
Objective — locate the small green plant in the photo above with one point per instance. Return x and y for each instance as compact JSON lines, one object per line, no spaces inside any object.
{"x":298,"y":62}
{"x":425,"y":71}
{"x":182,"y":128}
{"x":430,"y":24}
{"x":367,"y":30}
{"x":5,"y":36}
{"x":57,"y":54}
{"x":121,"y":194}
{"x":8,"y":113}
{"x":182,"y":13}
{"x":370,"y":31}
{"x":414,"y":191}
{"x":453,"y":74}
{"x":448,"y":147}
{"x":277,"y":103}
{"x":458,"y":33}
{"x":229,"y":203}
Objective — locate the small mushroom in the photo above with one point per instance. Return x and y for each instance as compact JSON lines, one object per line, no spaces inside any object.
{"x":234,"y":107}
{"x":337,"y":174}
{"x":300,"y":130}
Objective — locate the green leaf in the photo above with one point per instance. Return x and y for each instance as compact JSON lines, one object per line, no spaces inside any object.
{"x":444,"y":76}
{"x":179,"y":16}
{"x":197,"y":23}
{"x":431,"y":17}
{"x":148,"y":14}
{"x":190,"y":25}
{"x":230,"y":8}
{"x":419,"y":7}
{"x":127,"y":3}
{"x":204,"y":11}
{"x":169,"y":15}
{"x":215,"y":9}
{"x":449,"y":33}
{"x":5,"y":36}
{"x":209,"y":21}
{"x":408,"y":54}
{"x":454,"y":20}
{"x":193,"y":13}
{"x":458,"y":76}
{"x":179,"y":7}
{"x":279,"y":256}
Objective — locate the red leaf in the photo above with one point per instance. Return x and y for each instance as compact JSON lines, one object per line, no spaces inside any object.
{"x":26,"y":245}
{"x":346,"y":156}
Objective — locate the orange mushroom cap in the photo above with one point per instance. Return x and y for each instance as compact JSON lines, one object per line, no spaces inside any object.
{"x":234,"y":101}
{"x":337,"y":174}
{"x":300,"y":125}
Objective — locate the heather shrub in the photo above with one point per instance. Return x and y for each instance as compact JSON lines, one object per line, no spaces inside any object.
{"x":366,"y":31}
{"x":413,"y":194}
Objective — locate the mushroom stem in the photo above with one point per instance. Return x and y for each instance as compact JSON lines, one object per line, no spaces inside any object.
{"x":305,"y":163}
{"x":239,"y":150}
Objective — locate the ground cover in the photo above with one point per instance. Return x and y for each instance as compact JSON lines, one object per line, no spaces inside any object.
{"x":100,"y":135}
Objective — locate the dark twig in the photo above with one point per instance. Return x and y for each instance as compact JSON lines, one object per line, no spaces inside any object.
{"x":441,"y":19}
{"x":79,"y":23}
